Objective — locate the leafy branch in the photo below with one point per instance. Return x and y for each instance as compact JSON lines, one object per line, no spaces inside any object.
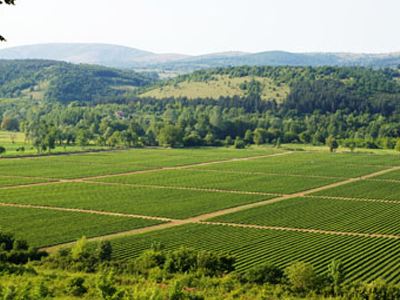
{"x":8,"y":2}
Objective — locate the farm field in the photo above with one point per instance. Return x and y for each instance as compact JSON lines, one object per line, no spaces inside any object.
{"x":224,"y":181}
{"x":12,"y":181}
{"x":369,"y":189}
{"x":364,"y":258}
{"x":44,"y":227}
{"x":395,"y":175}
{"x":298,"y":195}
{"x":323,"y":214}
{"x":105,"y":163}
{"x":313,"y":164}
{"x":169,"y":203}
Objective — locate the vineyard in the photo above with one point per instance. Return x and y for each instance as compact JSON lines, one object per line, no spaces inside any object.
{"x":44,"y":227}
{"x":224,"y":181}
{"x":261,"y":204}
{"x":168,"y":203}
{"x":12,"y":181}
{"x":369,"y":189}
{"x":312,"y":164}
{"x":364,"y":258}
{"x":323,"y":214}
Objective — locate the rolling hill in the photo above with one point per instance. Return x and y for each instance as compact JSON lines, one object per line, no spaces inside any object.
{"x":100,"y":54}
{"x":126,"y":57}
{"x":305,"y":89}
{"x":53,"y":80}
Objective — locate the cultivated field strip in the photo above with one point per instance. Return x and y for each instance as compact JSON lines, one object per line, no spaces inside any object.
{"x":272,"y":184}
{"x":367,"y":189}
{"x":9,"y":181}
{"x":124,"y":199}
{"x":391,"y":177}
{"x":313,"y":164}
{"x":354,"y":199}
{"x":341,"y":216}
{"x":305,"y":230}
{"x":170,"y":187}
{"x":262,"y":173}
{"x":44,"y":227}
{"x":85,"y":211}
{"x":60,"y":170}
{"x":363,"y":257}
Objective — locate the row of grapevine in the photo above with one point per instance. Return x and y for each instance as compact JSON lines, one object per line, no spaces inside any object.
{"x":364,"y":258}
{"x":324,"y":214}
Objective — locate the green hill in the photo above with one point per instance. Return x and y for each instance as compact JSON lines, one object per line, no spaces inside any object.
{"x":52,"y":80}
{"x":219,"y":86}
{"x":303,"y":88}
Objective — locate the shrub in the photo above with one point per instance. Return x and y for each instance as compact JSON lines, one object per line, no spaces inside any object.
{"x":301,"y":277}
{"x":262,"y":274}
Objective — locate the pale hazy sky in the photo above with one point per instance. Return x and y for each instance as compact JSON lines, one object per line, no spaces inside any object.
{"x":202,"y":26}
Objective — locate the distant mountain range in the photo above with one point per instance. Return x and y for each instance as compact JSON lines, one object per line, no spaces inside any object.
{"x":126,"y":57}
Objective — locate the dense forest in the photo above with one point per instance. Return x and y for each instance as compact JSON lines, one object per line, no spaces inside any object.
{"x":358,"y":107}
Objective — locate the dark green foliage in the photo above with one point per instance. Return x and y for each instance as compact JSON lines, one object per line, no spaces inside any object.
{"x":183,"y":260}
{"x":239,"y":143}
{"x":170,"y":136}
{"x":10,"y":123}
{"x":18,"y":252}
{"x":107,"y":289}
{"x":262,"y":274}
{"x":351,"y":104}
{"x":76,"y":287}
{"x":104,"y":251}
{"x":332,"y":143}
{"x":301,"y":277}
{"x":66,"y":82}
{"x":81,"y":257}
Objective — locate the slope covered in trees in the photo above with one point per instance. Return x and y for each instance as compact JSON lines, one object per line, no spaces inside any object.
{"x":304,"y":89}
{"x":356,"y":107}
{"x":44,"y":79}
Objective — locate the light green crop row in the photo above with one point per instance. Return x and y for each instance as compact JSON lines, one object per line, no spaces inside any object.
{"x":44,"y":227}
{"x":323,"y":214}
{"x":363,"y":258}
{"x":168,"y":203}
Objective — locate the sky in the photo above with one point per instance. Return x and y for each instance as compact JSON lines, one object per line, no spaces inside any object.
{"x":205,"y":26}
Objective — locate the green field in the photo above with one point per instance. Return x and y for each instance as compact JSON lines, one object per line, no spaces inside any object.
{"x":104,"y":163}
{"x":45,"y":227}
{"x":313,"y":164}
{"x":368,"y":189}
{"x":323,"y":214}
{"x":224,"y":181}
{"x":12,"y":181}
{"x":187,"y":183}
{"x":395,"y":175}
{"x":168,"y":203}
{"x":364,"y":258}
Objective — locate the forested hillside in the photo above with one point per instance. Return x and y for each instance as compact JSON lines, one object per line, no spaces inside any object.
{"x":358,"y":107}
{"x":51,"y":80}
{"x":303,"y":89}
